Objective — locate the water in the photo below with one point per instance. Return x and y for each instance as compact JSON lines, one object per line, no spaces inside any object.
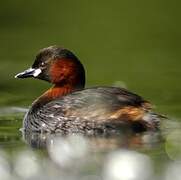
{"x":150,"y":155}
{"x":132,"y":44}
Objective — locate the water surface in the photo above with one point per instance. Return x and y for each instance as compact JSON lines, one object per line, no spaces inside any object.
{"x":132,"y":44}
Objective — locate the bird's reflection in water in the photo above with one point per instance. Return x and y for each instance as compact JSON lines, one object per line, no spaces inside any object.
{"x":99,"y":142}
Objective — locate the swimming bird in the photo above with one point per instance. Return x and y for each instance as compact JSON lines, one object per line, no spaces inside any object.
{"x":69,"y":107}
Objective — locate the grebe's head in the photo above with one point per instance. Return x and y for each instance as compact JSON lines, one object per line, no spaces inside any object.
{"x":58,"y":66}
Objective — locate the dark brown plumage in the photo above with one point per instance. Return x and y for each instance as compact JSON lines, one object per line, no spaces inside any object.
{"x":69,"y":108}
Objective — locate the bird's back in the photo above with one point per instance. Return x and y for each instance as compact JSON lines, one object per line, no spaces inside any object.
{"x":87,"y":109}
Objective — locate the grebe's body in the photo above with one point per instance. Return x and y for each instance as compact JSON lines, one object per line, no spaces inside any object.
{"x":69,"y":108}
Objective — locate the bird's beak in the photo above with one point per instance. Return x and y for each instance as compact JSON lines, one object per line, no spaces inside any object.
{"x":31,"y":72}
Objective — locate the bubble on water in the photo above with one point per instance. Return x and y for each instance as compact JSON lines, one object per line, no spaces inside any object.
{"x":91,"y":177}
{"x":26,"y":164}
{"x":173,"y":145}
{"x":173,"y":171}
{"x":127,"y":165}
{"x":4,"y":167}
{"x":69,"y":150}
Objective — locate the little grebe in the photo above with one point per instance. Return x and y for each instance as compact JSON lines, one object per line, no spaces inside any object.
{"x":69,"y":108}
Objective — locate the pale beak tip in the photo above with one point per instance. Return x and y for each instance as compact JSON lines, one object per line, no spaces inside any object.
{"x":16,"y":76}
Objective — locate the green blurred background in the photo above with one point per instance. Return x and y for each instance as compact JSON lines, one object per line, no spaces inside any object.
{"x":132,"y":43}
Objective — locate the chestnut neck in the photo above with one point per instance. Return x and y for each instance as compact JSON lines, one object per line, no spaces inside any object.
{"x":67,"y":75}
{"x":57,"y":91}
